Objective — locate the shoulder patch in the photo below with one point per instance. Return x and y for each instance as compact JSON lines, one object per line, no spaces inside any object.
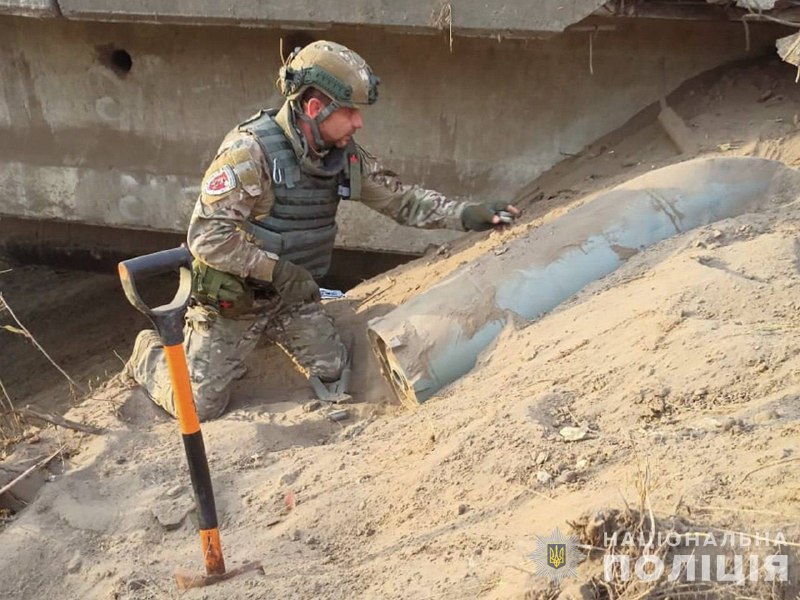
{"x":220,"y":182}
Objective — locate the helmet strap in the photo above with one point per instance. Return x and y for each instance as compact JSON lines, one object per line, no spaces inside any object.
{"x":316,"y":121}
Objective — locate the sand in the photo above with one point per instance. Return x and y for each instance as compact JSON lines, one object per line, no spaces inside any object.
{"x":683,"y":364}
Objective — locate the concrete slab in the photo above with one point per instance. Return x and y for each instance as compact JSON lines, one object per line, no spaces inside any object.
{"x":466,"y":16}
{"x":29,"y":8}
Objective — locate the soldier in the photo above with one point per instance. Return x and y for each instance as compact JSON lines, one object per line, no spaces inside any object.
{"x":263,"y":229}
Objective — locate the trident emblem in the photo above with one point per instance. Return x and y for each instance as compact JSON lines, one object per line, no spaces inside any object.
{"x":556,"y":555}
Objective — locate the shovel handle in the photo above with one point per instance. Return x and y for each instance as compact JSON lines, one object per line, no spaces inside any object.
{"x":168,"y":318}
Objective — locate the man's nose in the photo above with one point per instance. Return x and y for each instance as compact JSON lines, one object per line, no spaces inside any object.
{"x":358,"y":120}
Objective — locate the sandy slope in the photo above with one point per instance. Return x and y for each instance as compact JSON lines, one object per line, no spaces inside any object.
{"x":685,"y":360}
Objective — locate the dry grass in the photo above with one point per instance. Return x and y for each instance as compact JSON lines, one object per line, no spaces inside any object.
{"x":603,"y":533}
{"x":15,"y":426}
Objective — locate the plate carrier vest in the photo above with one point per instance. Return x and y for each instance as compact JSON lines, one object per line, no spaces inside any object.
{"x":301,"y":226}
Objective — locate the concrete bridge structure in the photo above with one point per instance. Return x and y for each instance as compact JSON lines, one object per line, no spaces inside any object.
{"x":110,"y":110}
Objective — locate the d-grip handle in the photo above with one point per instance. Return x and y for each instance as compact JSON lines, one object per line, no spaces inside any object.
{"x":167,"y":318}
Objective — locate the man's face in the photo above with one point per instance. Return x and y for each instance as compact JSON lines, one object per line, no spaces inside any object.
{"x":340,"y":126}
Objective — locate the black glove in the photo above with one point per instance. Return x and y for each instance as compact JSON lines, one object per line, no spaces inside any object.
{"x":480,"y":217}
{"x":294,"y":283}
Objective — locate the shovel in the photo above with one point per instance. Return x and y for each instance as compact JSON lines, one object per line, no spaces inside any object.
{"x":168,"y":321}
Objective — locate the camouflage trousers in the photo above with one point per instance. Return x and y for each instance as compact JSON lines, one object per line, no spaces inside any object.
{"x":216,"y":348}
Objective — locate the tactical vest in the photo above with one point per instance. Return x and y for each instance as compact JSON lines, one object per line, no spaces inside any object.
{"x":301,"y":226}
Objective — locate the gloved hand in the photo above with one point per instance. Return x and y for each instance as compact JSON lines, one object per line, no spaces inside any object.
{"x":480,"y":217}
{"x":294,"y":283}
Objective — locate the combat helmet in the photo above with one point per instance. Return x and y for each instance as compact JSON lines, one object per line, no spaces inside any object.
{"x":331,"y":68}
{"x":334,"y":70}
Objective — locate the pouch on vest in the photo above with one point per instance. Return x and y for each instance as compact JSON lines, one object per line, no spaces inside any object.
{"x":229,"y":294}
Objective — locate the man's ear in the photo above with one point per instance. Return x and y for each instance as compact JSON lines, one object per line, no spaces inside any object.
{"x":314,"y":107}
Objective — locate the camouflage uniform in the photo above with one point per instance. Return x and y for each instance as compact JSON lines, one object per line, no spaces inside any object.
{"x":216,"y":347}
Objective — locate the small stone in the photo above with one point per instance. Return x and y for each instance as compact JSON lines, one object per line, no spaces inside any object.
{"x":121,"y":460}
{"x":573,"y":434}
{"x":541,"y":458}
{"x":311,"y":406}
{"x":566,"y":477}
{"x":543,"y":477}
{"x":766,"y":416}
{"x":295,"y":535}
{"x":363,"y":505}
{"x":134,"y":585}
{"x":288,"y":478}
{"x":700,"y":393}
{"x":75,"y":563}
{"x":312,"y":540}
{"x":462,"y":509}
{"x":582,"y":463}
{"x":174,"y":491}
{"x":728,"y":424}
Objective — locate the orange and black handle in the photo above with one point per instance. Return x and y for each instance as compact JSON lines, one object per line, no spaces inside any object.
{"x":168,"y":321}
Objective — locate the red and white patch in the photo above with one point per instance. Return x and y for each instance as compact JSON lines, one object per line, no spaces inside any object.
{"x":220,"y":182}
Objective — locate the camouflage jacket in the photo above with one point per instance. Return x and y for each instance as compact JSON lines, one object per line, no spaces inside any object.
{"x":216,"y":235}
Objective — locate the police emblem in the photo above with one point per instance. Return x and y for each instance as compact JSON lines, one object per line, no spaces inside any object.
{"x":220,"y":181}
{"x":556,"y":556}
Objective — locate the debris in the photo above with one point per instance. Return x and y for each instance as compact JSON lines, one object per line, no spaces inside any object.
{"x":677,"y":130}
{"x":326,"y":294}
{"x":134,"y":585}
{"x":58,"y":420}
{"x":566,"y":477}
{"x":75,"y":563}
{"x":727,"y":146}
{"x":357,"y":429}
{"x":766,"y":416}
{"x":573,"y":434}
{"x":290,"y":501}
{"x":756,"y":4}
{"x":288,"y":478}
{"x":543,"y":477}
{"x":339,"y":415}
{"x":311,"y":406}
{"x":30,"y":470}
{"x":175,"y":491}
{"x":789,"y":50}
